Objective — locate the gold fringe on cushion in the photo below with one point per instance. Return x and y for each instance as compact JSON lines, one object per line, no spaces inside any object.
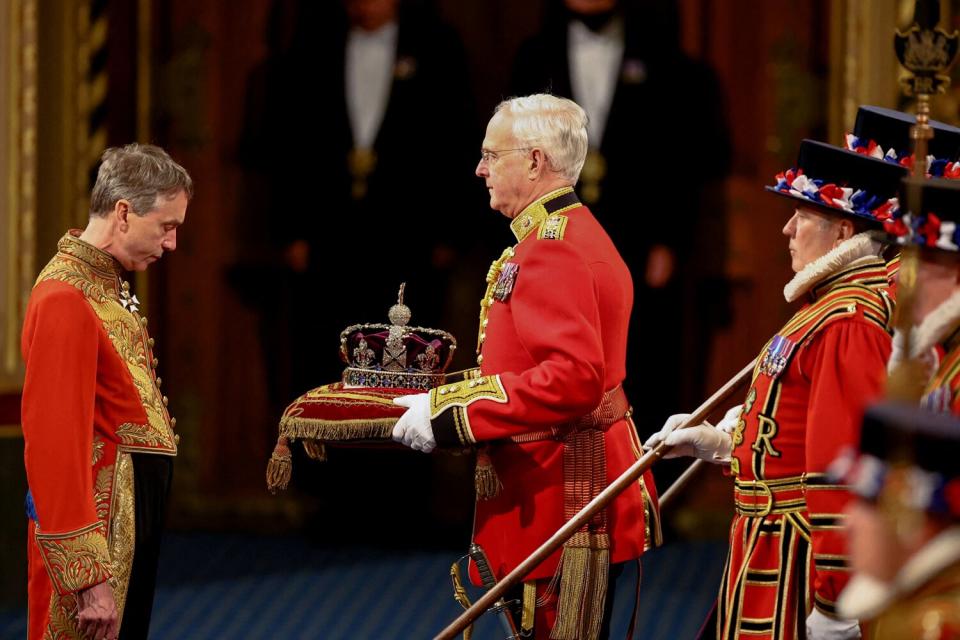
{"x":316,"y":450}
{"x":280,"y":466}
{"x":338,"y":430}
{"x":485,"y":477}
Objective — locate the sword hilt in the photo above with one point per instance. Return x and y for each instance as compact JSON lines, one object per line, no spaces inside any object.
{"x":479,"y":557}
{"x":501,"y":608}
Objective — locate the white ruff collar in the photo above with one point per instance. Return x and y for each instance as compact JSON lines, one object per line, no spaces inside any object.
{"x":843,"y":255}
{"x":865,"y":597}
{"x":936,"y":326}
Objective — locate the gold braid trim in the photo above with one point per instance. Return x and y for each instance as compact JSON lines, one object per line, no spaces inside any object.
{"x":123,"y":531}
{"x":77,"y":559}
{"x":528,"y":617}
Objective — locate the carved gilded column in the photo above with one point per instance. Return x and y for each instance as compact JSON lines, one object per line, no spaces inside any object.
{"x":18,"y":169}
{"x":863,"y":68}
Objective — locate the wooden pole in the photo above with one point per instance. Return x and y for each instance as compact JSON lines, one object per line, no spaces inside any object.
{"x":626,"y":479}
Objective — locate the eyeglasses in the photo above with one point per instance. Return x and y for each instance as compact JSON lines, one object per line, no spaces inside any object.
{"x":491,"y":155}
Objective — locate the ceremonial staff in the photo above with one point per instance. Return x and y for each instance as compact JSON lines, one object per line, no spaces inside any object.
{"x":926,"y":51}
{"x":626,"y":479}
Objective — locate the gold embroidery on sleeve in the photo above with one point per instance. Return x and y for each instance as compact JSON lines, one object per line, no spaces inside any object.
{"x":463,"y":394}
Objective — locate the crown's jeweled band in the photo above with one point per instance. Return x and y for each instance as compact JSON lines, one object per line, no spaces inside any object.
{"x":392,"y":379}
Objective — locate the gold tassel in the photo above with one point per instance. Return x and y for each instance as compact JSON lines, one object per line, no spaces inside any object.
{"x":280,"y":467}
{"x":485,"y":477}
{"x":316,"y":450}
{"x":599,"y":576}
{"x":574,"y":576}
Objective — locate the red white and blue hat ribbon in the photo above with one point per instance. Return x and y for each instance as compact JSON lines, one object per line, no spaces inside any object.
{"x":867,"y":476}
{"x":855,"y":201}
{"x":936,"y":167}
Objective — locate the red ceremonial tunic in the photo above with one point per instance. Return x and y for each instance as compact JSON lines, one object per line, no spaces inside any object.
{"x":810,"y":385}
{"x":552,"y":341}
{"x":90,"y":397}
{"x":942,"y":393}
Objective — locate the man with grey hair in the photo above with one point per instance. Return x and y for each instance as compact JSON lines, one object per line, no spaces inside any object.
{"x":98,"y":438}
{"x":545,"y":408}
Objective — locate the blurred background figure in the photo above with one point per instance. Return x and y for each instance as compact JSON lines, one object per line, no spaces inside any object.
{"x":354,"y":193}
{"x":904,"y":530}
{"x":658,"y":152}
{"x":354,"y":200}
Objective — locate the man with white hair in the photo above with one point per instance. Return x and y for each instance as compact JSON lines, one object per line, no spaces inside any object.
{"x":545,"y":407}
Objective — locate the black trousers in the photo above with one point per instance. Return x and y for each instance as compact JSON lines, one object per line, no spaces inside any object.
{"x":152,"y":477}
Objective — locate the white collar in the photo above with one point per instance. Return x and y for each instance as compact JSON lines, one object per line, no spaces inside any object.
{"x":939,"y":553}
{"x":856,"y":248}
{"x":865,"y":597}
{"x":936,"y":326}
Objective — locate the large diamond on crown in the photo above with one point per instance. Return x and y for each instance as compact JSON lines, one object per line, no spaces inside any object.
{"x":395,"y":355}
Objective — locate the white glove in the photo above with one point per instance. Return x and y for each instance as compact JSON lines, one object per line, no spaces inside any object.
{"x":730,"y":419}
{"x":897,"y":354}
{"x":413,"y":428}
{"x":702,"y":441}
{"x":929,"y":358}
{"x":820,"y":626}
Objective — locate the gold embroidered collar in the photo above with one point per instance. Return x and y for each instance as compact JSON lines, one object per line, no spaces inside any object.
{"x":534,"y":214}
{"x":71,"y":245}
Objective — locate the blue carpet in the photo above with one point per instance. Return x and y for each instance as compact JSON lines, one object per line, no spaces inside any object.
{"x":247,"y":587}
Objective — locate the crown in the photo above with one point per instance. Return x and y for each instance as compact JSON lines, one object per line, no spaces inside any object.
{"x":395,"y":355}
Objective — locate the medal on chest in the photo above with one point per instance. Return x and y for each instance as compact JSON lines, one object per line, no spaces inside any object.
{"x":777,"y":355}
{"x":505,"y":281}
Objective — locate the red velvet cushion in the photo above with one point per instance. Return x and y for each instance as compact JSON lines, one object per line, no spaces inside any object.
{"x":334,"y":415}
